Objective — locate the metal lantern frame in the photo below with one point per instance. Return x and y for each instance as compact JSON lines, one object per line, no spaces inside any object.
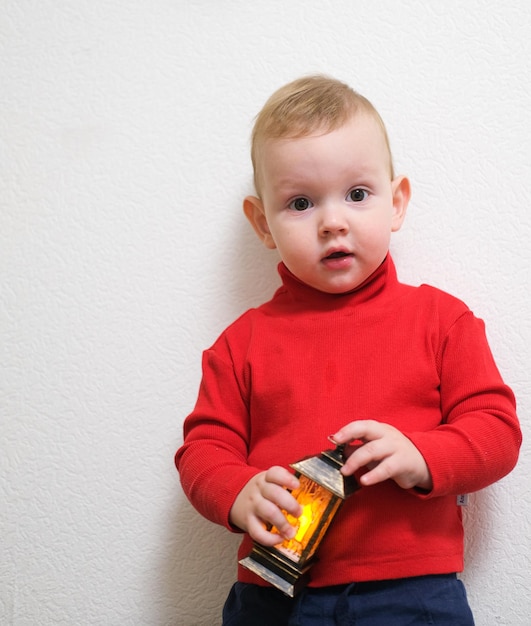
{"x":322,"y":491}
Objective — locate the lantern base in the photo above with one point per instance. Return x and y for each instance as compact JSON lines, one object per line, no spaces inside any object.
{"x":277,"y":570}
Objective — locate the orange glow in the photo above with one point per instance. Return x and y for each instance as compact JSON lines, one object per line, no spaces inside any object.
{"x":304,"y":521}
{"x":314,"y":500}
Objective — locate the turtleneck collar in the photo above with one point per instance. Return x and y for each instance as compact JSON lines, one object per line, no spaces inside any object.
{"x":384,"y":278}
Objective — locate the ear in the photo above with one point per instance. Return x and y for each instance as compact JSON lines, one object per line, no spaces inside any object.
{"x":401,"y":194}
{"x":253,"y":208}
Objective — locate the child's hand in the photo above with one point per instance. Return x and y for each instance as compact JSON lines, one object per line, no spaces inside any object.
{"x":260,"y":502}
{"x":386,"y":452}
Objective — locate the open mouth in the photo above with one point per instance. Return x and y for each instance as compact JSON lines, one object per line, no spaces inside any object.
{"x":338,"y":255}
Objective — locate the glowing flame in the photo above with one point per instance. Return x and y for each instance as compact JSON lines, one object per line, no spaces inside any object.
{"x":304,"y":521}
{"x":314,"y":500}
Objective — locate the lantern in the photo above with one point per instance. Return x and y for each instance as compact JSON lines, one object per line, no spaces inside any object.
{"x":321,"y":493}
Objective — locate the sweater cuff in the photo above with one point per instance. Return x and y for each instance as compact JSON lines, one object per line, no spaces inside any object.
{"x":230,"y":482}
{"x":449,"y":472}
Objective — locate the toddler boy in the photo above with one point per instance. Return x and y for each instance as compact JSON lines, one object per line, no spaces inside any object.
{"x":402,"y":373}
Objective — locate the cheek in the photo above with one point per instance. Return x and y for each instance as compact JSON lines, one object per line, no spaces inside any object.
{"x":288,"y":238}
{"x":377,"y":229}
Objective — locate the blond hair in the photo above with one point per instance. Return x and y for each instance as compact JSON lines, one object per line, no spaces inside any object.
{"x":306,"y":105}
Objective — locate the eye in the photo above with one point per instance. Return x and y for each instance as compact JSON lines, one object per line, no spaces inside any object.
{"x":300,"y":204}
{"x":357,"y":195}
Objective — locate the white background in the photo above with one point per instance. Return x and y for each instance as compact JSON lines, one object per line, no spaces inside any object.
{"x":124,"y":128}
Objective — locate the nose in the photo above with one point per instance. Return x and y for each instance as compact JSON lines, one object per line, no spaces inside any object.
{"x":333,"y":221}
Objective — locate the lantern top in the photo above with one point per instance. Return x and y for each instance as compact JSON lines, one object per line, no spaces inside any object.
{"x":324,"y":470}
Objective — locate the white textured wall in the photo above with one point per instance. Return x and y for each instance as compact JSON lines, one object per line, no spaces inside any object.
{"x":124,"y":131}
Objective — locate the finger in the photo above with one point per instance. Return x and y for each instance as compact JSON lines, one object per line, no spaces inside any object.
{"x":281,"y":498}
{"x":278,"y":480}
{"x":378,"y":473}
{"x":259,"y":533}
{"x":274,"y":517}
{"x":363,"y":430}
{"x":367,"y":455}
{"x":281,"y":476}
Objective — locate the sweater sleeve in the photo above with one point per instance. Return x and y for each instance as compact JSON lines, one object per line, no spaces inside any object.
{"x":212,"y":461}
{"x":479,"y":438}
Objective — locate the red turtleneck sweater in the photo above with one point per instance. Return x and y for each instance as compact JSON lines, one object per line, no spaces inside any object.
{"x":289,"y":373}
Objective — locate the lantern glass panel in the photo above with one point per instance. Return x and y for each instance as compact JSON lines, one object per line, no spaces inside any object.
{"x":318,"y":508}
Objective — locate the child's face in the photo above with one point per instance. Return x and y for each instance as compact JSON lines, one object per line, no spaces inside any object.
{"x":328,"y":204}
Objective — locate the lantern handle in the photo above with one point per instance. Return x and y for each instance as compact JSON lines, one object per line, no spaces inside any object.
{"x":337,"y":455}
{"x":340,"y":447}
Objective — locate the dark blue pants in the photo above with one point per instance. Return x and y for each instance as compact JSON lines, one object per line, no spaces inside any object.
{"x":424,"y":600}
